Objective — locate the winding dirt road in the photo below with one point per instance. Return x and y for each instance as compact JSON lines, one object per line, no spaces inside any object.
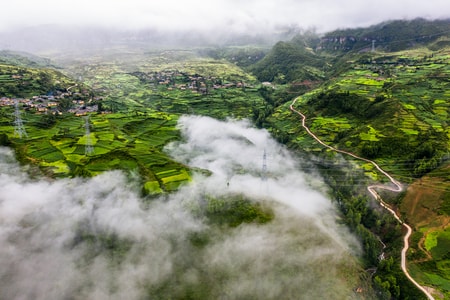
{"x":397,"y":187}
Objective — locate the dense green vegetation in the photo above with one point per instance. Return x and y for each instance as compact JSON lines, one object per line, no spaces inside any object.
{"x":127,"y":142}
{"x":26,"y":82}
{"x":289,"y":62}
{"x":386,"y":106}
{"x":308,"y":59}
{"x":234,"y":211}
{"x":385,"y":109}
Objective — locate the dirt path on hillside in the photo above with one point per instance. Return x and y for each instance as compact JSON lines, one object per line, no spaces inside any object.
{"x":372,"y":190}
{"x":415,"y":201}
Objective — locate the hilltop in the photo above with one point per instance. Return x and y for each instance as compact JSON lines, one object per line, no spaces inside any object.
{"x":21,"y":81}
{"x":390,"y":36}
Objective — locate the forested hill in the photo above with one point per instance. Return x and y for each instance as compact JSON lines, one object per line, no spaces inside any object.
{"x":389,"y":36}
{"x":290,"y":61}
{"x":309,"y":58}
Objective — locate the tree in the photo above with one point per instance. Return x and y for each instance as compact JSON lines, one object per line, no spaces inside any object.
{"x":4,"y":140}
{"x":47,"y":121}
{"x":382,"y":288}
{"x":65,"y":104}
{"x":44,"y":79}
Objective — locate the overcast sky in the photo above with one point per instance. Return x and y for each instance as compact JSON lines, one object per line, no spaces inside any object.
{"x":232,"y":15}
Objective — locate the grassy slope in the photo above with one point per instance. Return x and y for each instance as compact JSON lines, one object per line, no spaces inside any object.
{"x":427,"y":206}
{"x":24,"y":59}
{"x":23,"y":81}
{"x":394,"y":112}
{"x":394,"y":108}
{"x":120,"y":141}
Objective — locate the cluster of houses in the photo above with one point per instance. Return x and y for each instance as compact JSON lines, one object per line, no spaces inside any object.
{"x":182,"y":81}
{"x":46,"y":104}
{"x":51,"y":104}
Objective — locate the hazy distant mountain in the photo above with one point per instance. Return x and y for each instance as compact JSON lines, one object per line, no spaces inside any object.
{"x":387,"y":36}
{"x":48,"y":38}
{"x":23,"y":59}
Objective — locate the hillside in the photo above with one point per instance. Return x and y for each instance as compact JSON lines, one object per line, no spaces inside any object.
{"x":308,"y":57}
{"x":402,"y":94}
{"x":292,"y":61}
{"x":391,"y":107}
{"x":389,"y":36}
{"x":24,"y":59}
{"x":21,"y":77}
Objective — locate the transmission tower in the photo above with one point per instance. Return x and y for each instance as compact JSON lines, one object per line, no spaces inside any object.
{"x":264,"y":167}
{"x":89,"y":149}
{"x":19,"y":129}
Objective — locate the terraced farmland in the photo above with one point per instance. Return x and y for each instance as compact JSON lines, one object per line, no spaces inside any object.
{"x":394,"y":109}
{"x":141,"y":118}
{"x":119,"y":142}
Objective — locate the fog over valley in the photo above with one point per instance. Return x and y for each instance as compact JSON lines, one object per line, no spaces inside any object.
{"x":98,"y":239}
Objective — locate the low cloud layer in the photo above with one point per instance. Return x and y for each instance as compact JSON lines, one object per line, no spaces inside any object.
{"x":49,"y":27}
{"x":97,"y":239}
{"x":223,"y":15}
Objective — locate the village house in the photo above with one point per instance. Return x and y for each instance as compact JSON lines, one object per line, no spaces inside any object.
{"x":49,"y":103}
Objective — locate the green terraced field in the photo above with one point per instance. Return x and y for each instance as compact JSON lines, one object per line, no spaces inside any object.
{"x":133,"y":143}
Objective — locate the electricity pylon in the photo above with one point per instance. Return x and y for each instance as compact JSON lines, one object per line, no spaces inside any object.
{"x":264,"y":167}
{"x":89,"y":149}
{"x":19,"y":129}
